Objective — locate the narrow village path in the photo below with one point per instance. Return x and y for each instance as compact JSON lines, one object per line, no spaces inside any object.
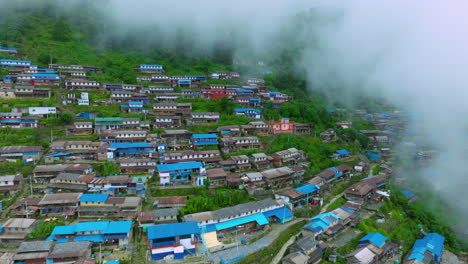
{"x":280,"y":254}
{"x":255,"y":246}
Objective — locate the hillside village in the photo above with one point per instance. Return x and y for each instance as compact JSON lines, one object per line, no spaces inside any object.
{"x":193,"y":168}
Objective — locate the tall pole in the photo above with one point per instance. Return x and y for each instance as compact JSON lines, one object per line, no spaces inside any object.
{"x":30,"y":184}
{"x":27,"y":213}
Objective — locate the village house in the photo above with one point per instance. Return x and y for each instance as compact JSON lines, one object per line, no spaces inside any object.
{"x":191,"y":93}
{"x":137,"y":165}
{"x":241,"y":162}
{"x":25,"y":207}
{"x":209,"y":157}
{"x":9,"y":50}
{"x":7,"y":93}
{"x":82,"y":85}
{"x":63,"y":151}
{"x":177,"y":240}
{"x":124,"y":136}
{"x":232,"y":144}
{"x":260,"y":160}
{"x":229,"y":131}
{"x":279,"y":177}
{"x":10,"y":184}
{"x":167,"y":121}
{"x":15,"y":63}
{"x":80,"y":128}
{"x":330,"y":223}
{"x":176,"y":136}
{"x":276,"y":98}
{"x":158,"y":89}
{"x":300,"y":196}
{"x":118,"y":150}
{"x":289,"y":156}
{"x":328,"y":135}
{"x":224,"y":75}
{"x":77,"y":75}
{"x":31,"y":92}
{"x":217,"y":176}
{"x":150,"y":68}
{"x":202,"y":140}
{"x":109,"y":233}
{"x":71,"y":182}
{"x":120,"y":96}
{"x":24,"y":153}
{"x":20,"y":122}
{"x":15,"y":230}
{"x":73,"y":67}
{"x":199,"y":118}
{"x":43,"y":173}
{"x":372,"y":248}
{"x":167,"y":97}
{"x":33,"y":251}
{"x":158,"y":216}
{"x":365,"y":190}
{"x":429,"y":249}
{"x":249,"y":112}
{"x":170,"y":202}
{"x":216,"y":93}
{"x":172,"y":108}
{"x":182,"y":172}
{"x":64,"y":204}
{"x":99,"y":205}
{"x":112,"y":86}
{"x":134,"y":123}
{"x":308,"y":247}
{"x":132,"y":107}
{"x":295,"y":258}
{"x":71,"y":252}
{"x":252,"y":215}
{"x":256,"y":128}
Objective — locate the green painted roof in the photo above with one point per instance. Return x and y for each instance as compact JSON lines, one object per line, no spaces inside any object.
{"x":108,"y":119}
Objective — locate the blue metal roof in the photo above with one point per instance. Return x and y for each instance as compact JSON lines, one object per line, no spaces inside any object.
{"x":203,"y":136}
{"x":241,"y":110}
{"x":94,"y":197}
{"x":173,"y":230}
{"x":92,"y":238}
{"x":259,"y":218}
{"x":45,"y":75}
{"x":63,"y":230}
{"x":432,"y":242}
{"x":7,"y":60}
{"x":282,"y":213}
{"x":343,"y":152}
{"x":408,"y":194}
{"x":118,"y":227}
{"x":375,"y":238}
{"x":59,"y":154}
{"x":307,"y":188}
{"x":129,"y":145}
{"x":206,"y":142}
{"x":91,"y":226}
{"x":179,"y":166}
{"x":8,"y":48}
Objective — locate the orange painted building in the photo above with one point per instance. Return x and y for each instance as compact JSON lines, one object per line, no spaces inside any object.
{"x":284,"y":126}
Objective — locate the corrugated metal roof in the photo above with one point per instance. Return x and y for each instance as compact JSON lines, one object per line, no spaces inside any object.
{"x":129,"y":145}
{"x":94,"y":197}
{"x":259,"y":218}
{"x":118,"y":227}
{"x":282,"y":213}
{"x":179,"y":166}
{"x":375,"y":238}
{"x":173,"y":230}
{"x":203,"y":136}
{"x":307,"y":188}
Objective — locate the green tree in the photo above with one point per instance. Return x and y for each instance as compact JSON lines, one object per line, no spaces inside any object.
{"x":66,"y":118}
{"x":107,"y":168}
{"x":61,"y":31}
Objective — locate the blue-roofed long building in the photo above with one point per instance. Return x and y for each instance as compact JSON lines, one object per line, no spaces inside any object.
{"x":9,"y":50}
{"x":300,"y":196}
{"x":178,"y":239}
{"x":130,"y":149}
{"x":15,"y":63}
{"x":427,"y":250}
{"x":372,"y":248}
{"x":110,"y":233}
{"x":182,"y":172}
{"x":202,"y":140}
{"x":150,"y":68}
{"x":249,"y":112}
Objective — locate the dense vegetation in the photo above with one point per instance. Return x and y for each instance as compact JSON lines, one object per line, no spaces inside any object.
{"x":210,"y":203}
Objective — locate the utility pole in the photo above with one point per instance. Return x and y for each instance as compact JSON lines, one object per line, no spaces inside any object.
{"x":27,"y":212}
{"x":30,"y":184}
